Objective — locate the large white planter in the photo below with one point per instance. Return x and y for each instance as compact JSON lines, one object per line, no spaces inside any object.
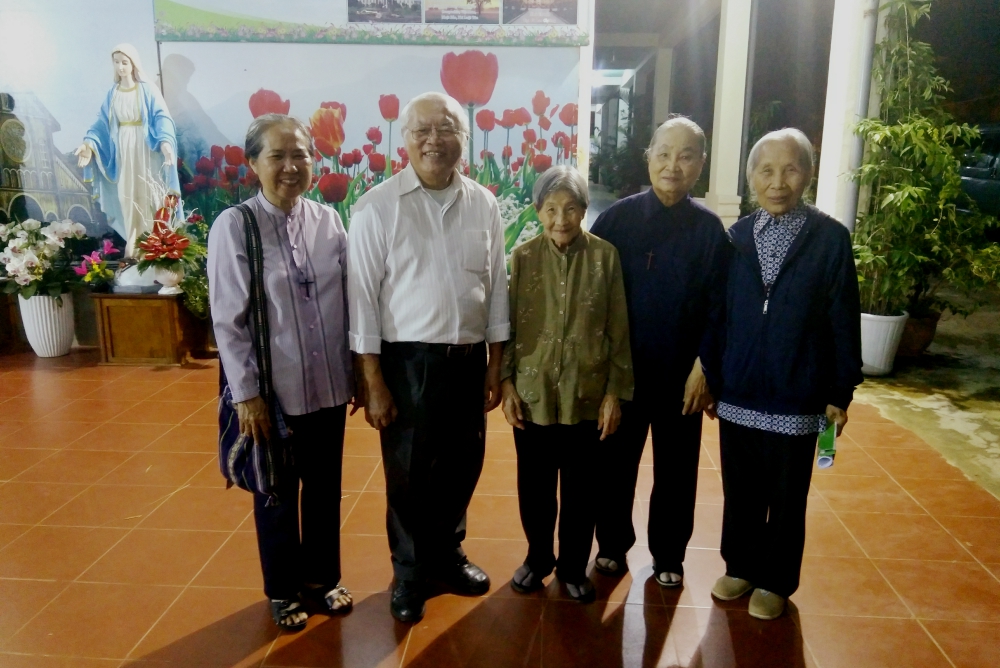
{"x":48,"y":324}
{"x":880,"y":336}
{"x":170,"y":279}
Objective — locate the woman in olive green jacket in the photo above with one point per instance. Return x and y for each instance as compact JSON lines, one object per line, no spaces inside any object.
{"x":566,"y":367}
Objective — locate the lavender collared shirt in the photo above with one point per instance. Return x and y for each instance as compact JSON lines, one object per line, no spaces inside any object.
{"x":305,"y":280}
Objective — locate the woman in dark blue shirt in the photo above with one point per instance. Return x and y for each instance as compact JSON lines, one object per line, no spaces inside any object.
{"x":786,"y":365}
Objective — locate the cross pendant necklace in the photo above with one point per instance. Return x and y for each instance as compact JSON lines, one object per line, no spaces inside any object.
{"x":305,"y":282}
{"x":649,"y":261}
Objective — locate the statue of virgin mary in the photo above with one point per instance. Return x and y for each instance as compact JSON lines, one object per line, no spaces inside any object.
{"x":134,"y":144}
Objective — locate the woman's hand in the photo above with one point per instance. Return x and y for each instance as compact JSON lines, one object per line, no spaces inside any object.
{"x":697,"y":397}
{"x":609,"y":416}
{"x":838,"y":416}
{"x":168,"y":152}
{"x":512,"y":404}
{"x":83,"y":153}
{"x":255,"y":419}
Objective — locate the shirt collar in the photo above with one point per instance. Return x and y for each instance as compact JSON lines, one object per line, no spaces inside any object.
{"x":796,"y":216}
{"x":656,"y":206}
{"x":409,"y":181}
{"x":275,"y":211}
{"x":580,"y":243}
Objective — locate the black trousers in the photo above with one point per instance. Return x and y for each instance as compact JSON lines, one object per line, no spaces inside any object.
{"x":288,"y":560}
{"x":432,"y":452}
{"x":545,"y":455}
{"x":765,"y":478}
{"x":676,"y":446}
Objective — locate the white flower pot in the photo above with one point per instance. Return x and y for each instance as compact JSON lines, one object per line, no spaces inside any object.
{"x":170,"y":279}
{"x":48,"y":324}
{"x":880,"y":336}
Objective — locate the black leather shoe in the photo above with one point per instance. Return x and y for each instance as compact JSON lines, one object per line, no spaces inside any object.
{"x":407,"y":604}
{"x":465,"y":578}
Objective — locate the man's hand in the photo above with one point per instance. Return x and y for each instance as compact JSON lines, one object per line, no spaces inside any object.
{"x":837,"y":416}
{"x":255,"y":419}
{"x":491,"y":389}
{"x":609,"y":415}
{"x":380,"y":410}
{"x":697,"y":397}
{"x":512,"y":404}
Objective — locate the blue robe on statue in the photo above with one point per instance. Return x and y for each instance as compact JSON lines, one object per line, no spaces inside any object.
{"x":102,"y":138}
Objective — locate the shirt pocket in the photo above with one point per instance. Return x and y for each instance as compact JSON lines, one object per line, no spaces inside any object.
{"x":475,"y":250}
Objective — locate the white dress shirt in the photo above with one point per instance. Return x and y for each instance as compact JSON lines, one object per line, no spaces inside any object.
{"x":305,"y":259}
{"x":420,"y":271}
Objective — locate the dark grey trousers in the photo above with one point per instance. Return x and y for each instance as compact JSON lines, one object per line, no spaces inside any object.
{"x":432,"y":453}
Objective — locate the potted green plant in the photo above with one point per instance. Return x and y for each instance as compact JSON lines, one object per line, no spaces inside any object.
{"x":914,"y":236}
{"x":37,"y":265}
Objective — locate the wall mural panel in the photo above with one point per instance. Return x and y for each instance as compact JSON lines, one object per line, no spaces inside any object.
{"x":523,"y":118}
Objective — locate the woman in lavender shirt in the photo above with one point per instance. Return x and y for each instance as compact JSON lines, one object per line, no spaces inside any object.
{"x":305,"y":278}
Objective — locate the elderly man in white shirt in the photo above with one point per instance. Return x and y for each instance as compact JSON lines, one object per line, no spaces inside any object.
{"x":427,"y":287}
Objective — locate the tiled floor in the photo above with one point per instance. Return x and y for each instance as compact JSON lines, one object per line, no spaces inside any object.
{"x":119,"y":546}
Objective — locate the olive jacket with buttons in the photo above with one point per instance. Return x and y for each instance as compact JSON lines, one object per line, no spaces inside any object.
{"x":569,"y":339}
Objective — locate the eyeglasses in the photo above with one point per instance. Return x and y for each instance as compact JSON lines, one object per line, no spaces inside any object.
{"x":443,"y":131}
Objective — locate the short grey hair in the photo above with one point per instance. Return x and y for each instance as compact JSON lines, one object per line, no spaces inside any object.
{"x":807,"y":156}
{"x":454,"y":107}
{"x":558,"y":178}
{"x":259,"y":126}
{"x":674,"y":121}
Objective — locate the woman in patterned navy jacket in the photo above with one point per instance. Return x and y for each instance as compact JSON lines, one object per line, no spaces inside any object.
{"x":787,"y":365}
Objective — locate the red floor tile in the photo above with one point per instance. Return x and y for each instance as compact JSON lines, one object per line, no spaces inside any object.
{"x":93,"y":410}
{"x":366,"y":516}
{"x":907,"y":463}
{"x":120,"y":437}
{"x":201,"y":509}
{"x":980,"y":535}
{"x":357,"y":471}
{"x":158,"y":468}
{"x":110,"y":506}
{"x":14,"y":461}
{"x":841,"y":586}
{"x":56,"y":553}
{"x":968,"y":644}
{"x":9,"y":532}
{"x":187,"y":391}
{"x":903,"y":537}
{"x":864,"y":494}
{"x":884,"y":435}
{"x":30,"y":502}
{"x":237,"y":564}
{"x":76,"y":622}
{"x":163,"y":557}
{"x":76,"y":466}
{"x":46,"y":434}
{"x":22,"y":600}
{"x":953,"y":497}
{"x":939,"y":590}
{"x":849,"y":642}
{"x":189,"y":634}
{"x":827,"y":537}
{"x":122,"y":390}
{"x":187,"y":438}
{"x":154,"y":411}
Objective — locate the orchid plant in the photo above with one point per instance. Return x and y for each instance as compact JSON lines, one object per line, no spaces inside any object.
{"x":93,"y":269}
{"x":38,"y":257}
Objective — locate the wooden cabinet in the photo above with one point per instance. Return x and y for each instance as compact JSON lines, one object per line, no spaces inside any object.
{"x":146,"y":329}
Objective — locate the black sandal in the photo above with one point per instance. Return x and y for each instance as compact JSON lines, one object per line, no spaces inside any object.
{"x":282,"y":611}
{"x":581,"y":592}
{"x":620,"y":566}
{"x":330,"y":599}
{"x":526,"y":580}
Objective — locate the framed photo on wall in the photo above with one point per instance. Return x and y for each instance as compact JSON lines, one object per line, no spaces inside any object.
{"x":463,"y":11}
{"x":384,"y":11}
{"x":539,"y":12}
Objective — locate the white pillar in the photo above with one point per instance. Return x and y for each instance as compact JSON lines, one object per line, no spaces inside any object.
{"x":842,"y":90}
{"x":730,"y":97}
{"x":661,"y":85}
{"x":587,"y":12}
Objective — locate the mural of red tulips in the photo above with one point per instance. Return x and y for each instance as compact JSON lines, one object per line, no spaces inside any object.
{"x":333,"y":187}
{"x":327,"y":129}
{"x":268,"y":102}
{"x":221,"y":176}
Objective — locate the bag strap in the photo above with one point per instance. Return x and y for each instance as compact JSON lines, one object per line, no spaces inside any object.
{"x":258,"y":303}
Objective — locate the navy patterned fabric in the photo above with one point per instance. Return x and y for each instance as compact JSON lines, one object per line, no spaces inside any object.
{"x":773,"y":237}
